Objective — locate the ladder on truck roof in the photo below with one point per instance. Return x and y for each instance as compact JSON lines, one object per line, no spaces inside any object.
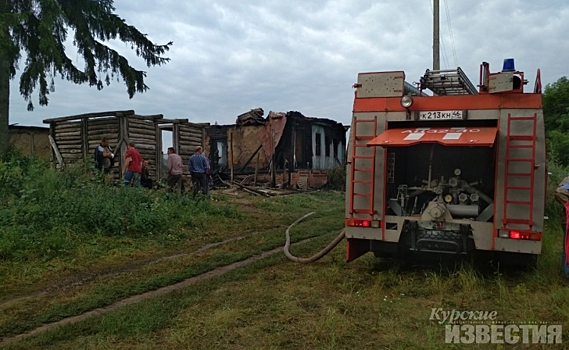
{"x":448,"y":82}
{"x":527,"y":142}
{"x":362,"y":164}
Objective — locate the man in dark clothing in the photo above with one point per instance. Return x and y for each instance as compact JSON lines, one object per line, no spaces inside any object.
{"x":199,"y":169}
{"x":145,"y":179}
{"x":104,"y":156}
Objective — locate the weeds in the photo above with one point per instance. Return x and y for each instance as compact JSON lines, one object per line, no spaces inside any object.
{"x":44,"y":211}
{"x":336,"y":178}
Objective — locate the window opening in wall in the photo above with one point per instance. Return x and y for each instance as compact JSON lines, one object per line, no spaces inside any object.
{"x":167,"y":141}
{"x":318,"y":144}
{"x":327,"y":145}
{"x":335,"y":143}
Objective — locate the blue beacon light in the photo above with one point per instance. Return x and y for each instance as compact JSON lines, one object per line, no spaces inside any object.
{"x":508,"y":65}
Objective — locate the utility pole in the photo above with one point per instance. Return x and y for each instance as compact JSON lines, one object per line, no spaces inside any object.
{"x":436,"y":36}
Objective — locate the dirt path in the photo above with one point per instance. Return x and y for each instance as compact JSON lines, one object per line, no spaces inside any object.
{"x":90,"y":276}
{"x":148,"y":295}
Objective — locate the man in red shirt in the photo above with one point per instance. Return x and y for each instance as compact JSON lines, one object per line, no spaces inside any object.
{"x":132,"y":166}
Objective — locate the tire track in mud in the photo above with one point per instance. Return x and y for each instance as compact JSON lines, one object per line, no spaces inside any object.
{"x":89,"y":276}
{"x":147,"y":295}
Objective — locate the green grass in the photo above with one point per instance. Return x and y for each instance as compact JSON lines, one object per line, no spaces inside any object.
{"x":275,"y":304}
{"x":31,"y":312}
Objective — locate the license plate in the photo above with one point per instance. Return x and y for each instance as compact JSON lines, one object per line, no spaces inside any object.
{"x":441,"y":115}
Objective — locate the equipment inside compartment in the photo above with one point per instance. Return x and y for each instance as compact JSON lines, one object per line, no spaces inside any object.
{"x":461,"y":179}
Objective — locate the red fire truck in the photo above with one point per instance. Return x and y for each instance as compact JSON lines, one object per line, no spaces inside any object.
{"x":445,"y":167}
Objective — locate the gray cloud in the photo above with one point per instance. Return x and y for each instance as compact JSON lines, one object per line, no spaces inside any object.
{"x":231,"y":56}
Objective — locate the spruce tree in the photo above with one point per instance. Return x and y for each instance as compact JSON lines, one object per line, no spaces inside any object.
{"x":32,"y":38}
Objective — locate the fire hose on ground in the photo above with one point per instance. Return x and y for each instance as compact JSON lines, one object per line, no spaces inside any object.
{"x":315,"y":257}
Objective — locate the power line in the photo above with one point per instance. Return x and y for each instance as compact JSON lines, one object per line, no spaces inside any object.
{"x":451,"y":34}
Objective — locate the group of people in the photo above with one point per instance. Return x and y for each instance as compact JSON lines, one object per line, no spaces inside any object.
{"x":136,"y":169}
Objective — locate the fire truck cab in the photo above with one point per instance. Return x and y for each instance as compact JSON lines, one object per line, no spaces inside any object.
{"x":445,"y":167}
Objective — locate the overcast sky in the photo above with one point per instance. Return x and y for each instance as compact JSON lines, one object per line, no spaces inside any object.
{"x":230,"y":56}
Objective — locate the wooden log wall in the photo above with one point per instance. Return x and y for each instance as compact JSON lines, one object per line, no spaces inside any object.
{"x":145,"y":135}
{"x":76,"y":139}
{"x":190,"y":137}
{"x":68,"y":137}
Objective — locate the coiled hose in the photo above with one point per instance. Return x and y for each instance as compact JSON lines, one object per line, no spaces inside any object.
{"x":313,"y":258}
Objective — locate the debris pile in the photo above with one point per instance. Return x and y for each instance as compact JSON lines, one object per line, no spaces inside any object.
{"x":253,"y":117}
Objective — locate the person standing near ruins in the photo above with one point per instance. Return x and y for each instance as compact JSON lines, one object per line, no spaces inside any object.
{"x":145,"y":179}
{"x":174,"y":168}
{"x":104,"y":156}
{"x":132,"y":166}
{"x":199,"y":168}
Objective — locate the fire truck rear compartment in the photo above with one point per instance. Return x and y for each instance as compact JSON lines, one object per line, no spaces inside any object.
{"x":433,"y":186}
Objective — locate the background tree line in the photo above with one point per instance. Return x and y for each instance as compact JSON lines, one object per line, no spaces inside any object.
{"x":556,"y":117}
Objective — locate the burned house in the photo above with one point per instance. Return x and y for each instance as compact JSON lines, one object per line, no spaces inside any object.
{"x":289,"y":144}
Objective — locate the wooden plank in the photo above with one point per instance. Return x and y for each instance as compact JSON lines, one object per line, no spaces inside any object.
{"x":138,"y":135}
{"x":100,"y":133}
{"x":68,"y":129}
{"x":143,"y":142}
{"x":143,"y":125}
{"x":192,"y":139}
{"x":147,"y":147}
{"x":97,"y":140}
{"x":147,"y":152}
{"x":190,"y":131}
{"x":73,"y":138}
{"x":90,"y":115}
{"x":103,"y":122}
{"x":176,"y":138}
{"x":190,"y":144}
{"x":108,"y":129}
{"x":190,"y":126}
{"x":68,"y":156}
{"x":172,"y":121}
{"x":76,"y":142}
{"x":84,"y":137}
{"x":142,"y":120}
{"x":67,"y":140}
{"x":157,"y":151}
{"x":69,"y":149}
{"x":151,"y":117}
{"x":104,"y":127}
{"x":74,"y":125}
{"x":76,"y":134}
{"x":142,"y":130}
{"x":56,"y":151}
